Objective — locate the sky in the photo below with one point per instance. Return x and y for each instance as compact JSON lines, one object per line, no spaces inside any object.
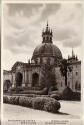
{"x":23,"y":25}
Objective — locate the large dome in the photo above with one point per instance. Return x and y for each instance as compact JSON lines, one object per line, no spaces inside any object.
{"x":47,"y":50}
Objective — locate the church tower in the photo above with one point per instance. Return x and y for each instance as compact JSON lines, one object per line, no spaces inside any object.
{"x":47,"y":35}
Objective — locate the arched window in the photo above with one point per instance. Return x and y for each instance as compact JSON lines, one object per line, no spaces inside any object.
{"x":35,"y":79}
{"x":76,"y":73}
{"x":7,"y":85}
{"x":18,"y":79}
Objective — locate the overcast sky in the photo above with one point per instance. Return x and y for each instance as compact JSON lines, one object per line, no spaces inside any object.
{"x":23,"y":25}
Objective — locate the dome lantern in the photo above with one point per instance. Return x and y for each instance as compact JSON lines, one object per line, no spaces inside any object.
{"x":47,"y":35}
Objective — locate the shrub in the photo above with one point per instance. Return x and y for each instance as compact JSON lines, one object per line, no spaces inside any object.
{"x":25,"y":101}
{"x":11,"y":99}
{"x":46,"y":103}
{"x":76,"y":96}
{"x":41,"y":92}
{"x":5,"y":99}
{"x":67,"y":94}
{"x":38,"y":103}
{"x":56,"y":96}
{"x":52,"y":106}
{"x":41,"y":103}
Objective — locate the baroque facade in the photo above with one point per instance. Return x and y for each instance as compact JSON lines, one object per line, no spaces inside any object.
{"x":29,"y":74}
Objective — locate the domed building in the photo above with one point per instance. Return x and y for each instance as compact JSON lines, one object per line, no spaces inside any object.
{"x":29,"y":74}
{"x":47,"y":50}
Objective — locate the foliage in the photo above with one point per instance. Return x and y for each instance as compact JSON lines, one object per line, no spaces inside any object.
{"x":38,"y":103}
{"x":11,"y":99}
{"x":76,"y":96}
{"x":64,"y":68}
{"x":41,"y":92}
{"x":25,"y":101}
{"x":56,"y":96}
{"x":67,"y":94}
{"x":41,"y":103}
{"x":48,"y":76}
{"x":52,"y":105}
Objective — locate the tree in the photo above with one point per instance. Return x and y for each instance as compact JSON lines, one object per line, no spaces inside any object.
{"x":48,"y":79}
{"x":64,"y":68}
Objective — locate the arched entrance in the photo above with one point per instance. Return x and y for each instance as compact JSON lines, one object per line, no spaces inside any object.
{"x":18,"y":79}
{"x":7,"y":85}
{"x":35,"y":79}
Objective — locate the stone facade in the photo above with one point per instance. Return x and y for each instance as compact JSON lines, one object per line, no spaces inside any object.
{"x":29,"y":74}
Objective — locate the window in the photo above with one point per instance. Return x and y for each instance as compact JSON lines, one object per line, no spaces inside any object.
{"x":76,"y":73}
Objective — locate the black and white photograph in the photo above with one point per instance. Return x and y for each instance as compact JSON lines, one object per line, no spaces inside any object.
{"x":41,"y":60}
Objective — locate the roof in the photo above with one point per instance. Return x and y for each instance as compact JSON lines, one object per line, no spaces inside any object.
{"x":47,"y":49}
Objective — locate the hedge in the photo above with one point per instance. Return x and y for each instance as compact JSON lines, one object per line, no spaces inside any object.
{"x":41,"y":92}
{"x":25,"y":101}
{"x":56,"y":96}
{"x":40,"y":103}
{"x":11,"y":99}
{"x":68,"y":94}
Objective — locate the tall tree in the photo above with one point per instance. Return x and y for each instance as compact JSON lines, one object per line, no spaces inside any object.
{"x":64,"y":68}
{"x":48,"y":76}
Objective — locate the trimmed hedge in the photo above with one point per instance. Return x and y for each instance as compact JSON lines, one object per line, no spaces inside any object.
{"x":11,"y":99}
{"x":41,"y":92}
{"x":52,"y":106}
{"x":25,"y":101}
{"x":76,"y":96}
{"x":68,"y":94}
{"x":40,"y":103}
{"x":56,"y":96}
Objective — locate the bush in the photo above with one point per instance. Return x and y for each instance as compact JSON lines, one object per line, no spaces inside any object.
{"x":38,"y":103}
{"x":26,"y":95}
{"x":41,"y":103}
{"x":56,"y":96}
{"x":67,"y":94}
{"x":76,"y":96}
{"x":14,"y":100}
{"x":41,"y":92}
{"x":25,"y":101}
{"x":52,"y":106}
{"x":46,"y":103}
{"x":11,"y":99}
{"x":5,"y":99}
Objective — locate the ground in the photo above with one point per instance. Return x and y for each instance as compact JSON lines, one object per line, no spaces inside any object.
{"x":69,"y":110}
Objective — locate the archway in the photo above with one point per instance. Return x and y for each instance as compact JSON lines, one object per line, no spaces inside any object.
{"x":7,"y":85}
{"x":35,"y":79}
{"x":18,"y":79}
